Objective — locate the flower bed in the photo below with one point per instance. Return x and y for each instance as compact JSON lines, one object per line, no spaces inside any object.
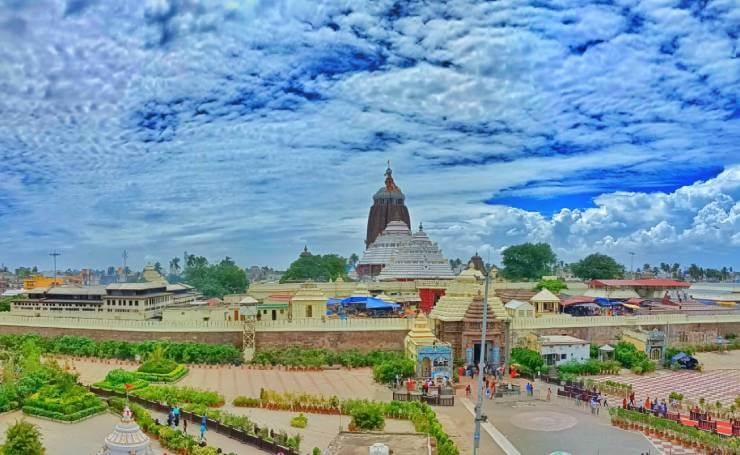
{"x":67,"y":403}
{"x":685,"y":435}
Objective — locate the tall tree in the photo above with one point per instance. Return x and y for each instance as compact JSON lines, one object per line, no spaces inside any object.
{"x":215,"y":280}
{"x":317,"y":268}
{"x":158,"y":267}
{"x":528,"y":261}
{"x":353,"y":260}
{"x":175,"y":266}
{"x":597,"y":266}
{"x":694,"y":272}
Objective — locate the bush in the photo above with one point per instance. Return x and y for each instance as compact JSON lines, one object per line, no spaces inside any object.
{"x":386,"y":372}
{"x":161,"y":366}
{"x":628,"y":355}
{"x":22,"y":438}
{"x":528,"y":358}
{"x":589,"y":367}
{"x":299,"y":421}
{"x":368,"y":417}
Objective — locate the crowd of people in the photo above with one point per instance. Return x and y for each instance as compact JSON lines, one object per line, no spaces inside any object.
{"x":656,"y":407}
{"x":173,"y":421}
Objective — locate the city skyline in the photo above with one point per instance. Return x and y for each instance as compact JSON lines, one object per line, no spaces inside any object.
{"x":252,"y":129}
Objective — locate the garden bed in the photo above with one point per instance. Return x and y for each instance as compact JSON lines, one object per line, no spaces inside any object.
{"x":173,"y":375}
{"x":67,"y":404}
{"x":121,"y":381}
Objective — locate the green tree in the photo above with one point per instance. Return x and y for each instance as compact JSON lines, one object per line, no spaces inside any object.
{"x":158,"y":267}
{"x":317,"y":268}
{"x":597,"y":266}
{"x":215,"y":280}
{"x":22,"y":438}
{"x":528,"y":261}
{"x":694,"y":272}
{"x":353,"y":259}
{"x":175,"y":266}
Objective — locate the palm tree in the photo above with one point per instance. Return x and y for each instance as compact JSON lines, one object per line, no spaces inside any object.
{"x":353,"y":260}
{"x":158,"y":353}
{"x":175,"y":266}
{"x":158,"y":267}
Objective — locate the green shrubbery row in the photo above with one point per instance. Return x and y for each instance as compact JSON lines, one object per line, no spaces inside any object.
{"x":386,"y":371}
{"x":81,"y":414}
{"x":589,"y":367}
{"x":317,"y":357}
{"x":172,"y":394}
{"x":124,"y":350}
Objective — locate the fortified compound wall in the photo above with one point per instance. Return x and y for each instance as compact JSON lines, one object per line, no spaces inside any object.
{"x":363,"y":334}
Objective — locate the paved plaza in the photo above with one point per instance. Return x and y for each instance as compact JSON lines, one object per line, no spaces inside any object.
{"x":82,"y":438}
{"x":540,"y":427}
{"x":232,"y":381}
{"x":713,"y":386}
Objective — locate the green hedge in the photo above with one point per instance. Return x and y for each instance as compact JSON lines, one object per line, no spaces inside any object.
{"x":386,"y":372}
{"x":295,"y":356}
{"x":81,"y":414}
{"x":589,"y":367}
{"x":115,"y":349}
{"x":175,"y":375}
{"x":177,"y":395}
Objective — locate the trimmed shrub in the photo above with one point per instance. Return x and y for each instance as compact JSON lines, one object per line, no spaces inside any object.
{"x":386,"y":372}
{"x":299,"y":421}
{"x":175,"y":374}
{"x":368,"y":417}
{"x":117,"y":379}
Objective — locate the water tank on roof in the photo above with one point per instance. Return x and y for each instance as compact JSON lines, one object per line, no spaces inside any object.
{"x":379,"y":449}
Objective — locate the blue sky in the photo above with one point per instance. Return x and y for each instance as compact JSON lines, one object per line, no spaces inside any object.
{"x":251,"y":128}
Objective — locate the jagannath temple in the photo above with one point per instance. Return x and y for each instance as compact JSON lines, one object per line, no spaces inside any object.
{"x":392,"y":251}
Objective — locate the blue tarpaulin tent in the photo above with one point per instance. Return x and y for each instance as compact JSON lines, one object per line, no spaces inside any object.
{"x":370,"y":303}
{"x":685,"y":360}
{"x":601,"y":301}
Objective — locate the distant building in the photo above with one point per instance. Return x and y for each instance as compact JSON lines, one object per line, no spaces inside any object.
{"x":652,"y":343}
{"x":40,"y":281}
{"x":115,"y":301}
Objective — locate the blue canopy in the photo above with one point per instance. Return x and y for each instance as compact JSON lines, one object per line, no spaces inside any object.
{"x":370,"y":303}
{"x":333,"y":301}
{"x":601,"y":301}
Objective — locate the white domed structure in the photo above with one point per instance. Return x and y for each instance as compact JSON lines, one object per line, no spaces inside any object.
{"x":127,"y":438}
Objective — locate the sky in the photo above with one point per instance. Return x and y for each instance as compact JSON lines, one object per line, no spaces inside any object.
{"x":253,"y":128}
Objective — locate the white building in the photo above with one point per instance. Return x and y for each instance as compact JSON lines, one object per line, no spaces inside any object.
{"x":558,"y":349}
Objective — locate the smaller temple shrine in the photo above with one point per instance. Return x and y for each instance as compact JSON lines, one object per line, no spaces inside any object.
{"x":417,"y":258}
{"x":433,"y":358}
{"x":471,"y":335}
{"x":127,"y":438}
{"x":545,"y":302}
{"x":308,"y":303}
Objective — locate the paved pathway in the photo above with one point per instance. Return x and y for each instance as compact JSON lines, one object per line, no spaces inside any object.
{"x":713,"y":386}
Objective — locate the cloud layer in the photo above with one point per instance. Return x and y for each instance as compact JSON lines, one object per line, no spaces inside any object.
{"x":249,"y":128}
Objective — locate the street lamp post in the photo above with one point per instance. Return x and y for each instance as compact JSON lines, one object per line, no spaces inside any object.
{"x":479,"y":417}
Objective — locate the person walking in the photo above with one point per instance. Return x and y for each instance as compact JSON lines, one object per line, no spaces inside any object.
{"x":176,"y":414}
{"x":549,"y":392}
{"x":467,"y":390}
{"x":203,"y":430}
{"x":185,"y":426}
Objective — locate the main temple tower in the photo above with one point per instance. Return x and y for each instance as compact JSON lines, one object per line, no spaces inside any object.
{"x":388,"y":205}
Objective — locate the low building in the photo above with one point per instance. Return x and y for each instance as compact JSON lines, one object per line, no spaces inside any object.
{"x":652,"y":343}
{"x":558,"y":349}
{"x":275,"y":307}
{"x":654,"y":288}
{"x":519,"y":309}
{"x":308,"y":303}
{"x":205,"y":313}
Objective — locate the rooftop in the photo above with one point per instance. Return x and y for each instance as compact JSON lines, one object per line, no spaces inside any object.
{"x":653,"y":282}
{"x":347,"y":443}
{"x":560,"y":339}
{"x":134,"y":286}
